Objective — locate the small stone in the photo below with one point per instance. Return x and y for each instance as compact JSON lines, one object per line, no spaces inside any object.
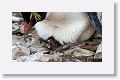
{"x":22,"y":59}
{"x":25,"y":50}
{"x":16,"y":19}
{"x":14,"y":51}
{"x":15,"y":29}
{"x":46,"y":58}
{"x":30,"y":41}
{"x":35,"y":48}
{"x":57,"y":56}
{"x":17,"y":52}
{"x":17,"y":14}
{"x":22,"y":28}
{"x":78,"y":52}
{"x":15,"y":26}
{"x":98,"y":56}
{"x":31,"y":58}
{"x":42,"y":49}
{"x":69,"y":52}
{"x":99,"y":49}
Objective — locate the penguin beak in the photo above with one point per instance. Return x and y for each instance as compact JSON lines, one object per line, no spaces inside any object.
{"x":27,"y":27}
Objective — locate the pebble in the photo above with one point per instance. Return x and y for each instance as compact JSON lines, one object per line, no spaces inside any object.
{"x":46,"y":58}
{"x":57,"y":56}
{"x":98,"y":54}
{"x":99,"y":49}
{"x":31,"y":58}
{"x":78,"y":52}
{"x":17,"y":52}
{"x":16,"y":19}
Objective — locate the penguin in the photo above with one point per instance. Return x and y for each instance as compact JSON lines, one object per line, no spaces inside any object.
{"x":63,"y":27}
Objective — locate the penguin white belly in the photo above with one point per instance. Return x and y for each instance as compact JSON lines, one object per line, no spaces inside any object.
{"x":65,"y":27}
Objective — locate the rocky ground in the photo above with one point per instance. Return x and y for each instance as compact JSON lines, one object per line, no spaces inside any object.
{"x":34,"y":49}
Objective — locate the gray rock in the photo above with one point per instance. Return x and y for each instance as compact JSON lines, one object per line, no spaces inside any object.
{"x":57,"y":56}
{"x":25,"y":50}
{"x":21,"y":28}
{"x":69,"y":52}
{"x":23,"y":59}
{"x":98,"y":54}
{"x":17,"y":14}
{"x":17,"y":52}
{"x":99,"y":49}
{"x":14,"y":52}
{"x":41,"y":49}
{"x":18,"y":41}
{"x":46,"y":58}
{"x":16,"y":19}
{"x":78,"y":52}
{"x":31,"y":58}
{"x":15,"y":28}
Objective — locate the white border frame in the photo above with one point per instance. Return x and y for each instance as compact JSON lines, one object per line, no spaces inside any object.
{"x":7,"y":66}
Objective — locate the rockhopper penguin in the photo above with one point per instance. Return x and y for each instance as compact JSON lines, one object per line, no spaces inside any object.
{"x":64,"y":27}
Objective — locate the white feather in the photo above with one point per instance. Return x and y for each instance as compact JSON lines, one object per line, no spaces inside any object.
{"x":65,"y":27}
